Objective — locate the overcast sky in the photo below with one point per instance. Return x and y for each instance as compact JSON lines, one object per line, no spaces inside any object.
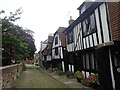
{"x":43,"y":16}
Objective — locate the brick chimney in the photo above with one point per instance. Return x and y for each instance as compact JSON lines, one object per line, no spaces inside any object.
{"x":50,"y":37}
{"x":71,"y":20}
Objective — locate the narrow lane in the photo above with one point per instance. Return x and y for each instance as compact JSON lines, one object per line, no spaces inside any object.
{"x":35,"y":78}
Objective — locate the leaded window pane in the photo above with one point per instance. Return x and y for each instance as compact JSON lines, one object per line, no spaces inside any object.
{"x":92,"y":61}
{"x":83,"y":61}
{"x":92,"y":22}
{"x":56,"y":40}
{"x":70,"y":37}
{"x":87,"y":61}
{"x":89,"y":25}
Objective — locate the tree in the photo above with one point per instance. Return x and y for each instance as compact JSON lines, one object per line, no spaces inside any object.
{"x":14,"y":48}
{"x":27,"y":36}
{"x":17,"y":42}
{"x":7,"y":24}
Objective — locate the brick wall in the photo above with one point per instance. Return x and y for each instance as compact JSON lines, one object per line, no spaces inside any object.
{"x":114,"y":16}
{"x":9,"y":74}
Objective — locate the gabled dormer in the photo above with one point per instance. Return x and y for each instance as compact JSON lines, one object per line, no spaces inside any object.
{"x":58,"y":43}
{"x":83,"y":7}
{"x":59,"y":37}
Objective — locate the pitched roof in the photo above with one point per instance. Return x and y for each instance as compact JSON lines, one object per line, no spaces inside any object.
{"x":61,"y":34}
{"x":45,"y":42}
{"x":43,"y":45}
{"x":60,"y":30}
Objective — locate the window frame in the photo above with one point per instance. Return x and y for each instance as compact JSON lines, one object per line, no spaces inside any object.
{"x":56,"y":40}
{"x":87,"y":25}
{"x":87,"y":59}
{"x":56,"y":51}
{"x":70,"y":37}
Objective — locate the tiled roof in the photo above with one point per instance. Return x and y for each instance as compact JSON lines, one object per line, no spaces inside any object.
{"x":61,"y":35}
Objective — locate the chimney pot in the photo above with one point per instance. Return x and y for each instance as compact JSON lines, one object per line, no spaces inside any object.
{"x":70,"y":17}
{"x":71,"y":20}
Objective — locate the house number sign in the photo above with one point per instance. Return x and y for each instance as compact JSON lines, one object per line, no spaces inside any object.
{"x":118,"y":69}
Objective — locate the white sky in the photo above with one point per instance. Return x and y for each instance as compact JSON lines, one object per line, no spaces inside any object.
{"x":43,"y":16}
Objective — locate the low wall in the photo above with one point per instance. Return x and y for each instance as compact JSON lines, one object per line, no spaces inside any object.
{"x":9,"y":74}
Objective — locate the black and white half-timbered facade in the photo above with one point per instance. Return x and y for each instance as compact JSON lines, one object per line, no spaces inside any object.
{"x":93,"y":42}
{"x":43,"y":52}
{"x":58,"y":49}
{"x":46,"y":52}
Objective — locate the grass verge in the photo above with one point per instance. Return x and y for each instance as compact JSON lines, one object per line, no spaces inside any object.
{"x":15,"y":83}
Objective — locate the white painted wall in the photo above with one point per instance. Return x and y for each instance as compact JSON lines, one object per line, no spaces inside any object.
{"x":48,"y":57}
{"x":98,"y":26}
{"x":87,"y":74}
{"x":60,"y":50}
{"x":104,"y":22}
{"x":73,"y":68}
{"x":63,"y":66}
{"x":69,"y":68}
{"x":91,"y":40}
{"x":59,"y":42}
{"x":70,"y":47}
{"x":111,"y":69}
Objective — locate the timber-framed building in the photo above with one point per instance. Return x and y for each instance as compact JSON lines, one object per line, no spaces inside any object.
{"x":93,"y":42}
{"x":58,"y":49}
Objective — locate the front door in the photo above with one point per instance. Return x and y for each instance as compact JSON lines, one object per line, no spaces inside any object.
{"x":116,"y":67}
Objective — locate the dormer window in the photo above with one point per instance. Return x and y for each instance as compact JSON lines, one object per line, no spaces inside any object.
{"x":89,"y":25}
{"x":82,"y":10}
{"x":84,"y":7}
{"x":56,"y":40}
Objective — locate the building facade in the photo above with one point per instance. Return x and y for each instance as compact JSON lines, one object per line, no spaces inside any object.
{"x":46,"y":52}
{"x":58,"y":49}
{"x":93,"y":42}
{"x":43,"y":53}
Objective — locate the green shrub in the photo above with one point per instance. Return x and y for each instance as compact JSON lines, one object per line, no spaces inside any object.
{"x":69,"y":74}
{"x":23,"y":67}
{"x":78,"y":74}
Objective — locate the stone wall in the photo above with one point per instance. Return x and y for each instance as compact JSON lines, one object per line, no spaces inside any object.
{"x":9,"y":74}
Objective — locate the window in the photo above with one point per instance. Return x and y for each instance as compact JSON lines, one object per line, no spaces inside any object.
{"x":89,"y":25}
{"x":82,"y":10}
{"x":70,"y":37}
{"x":71,"y":58}
{"x":83,"y":61}
{"x":117,"y":59}
{"x":92,"y":61}
{"x":56,"y":51}
{"x":87,"y":61}
{"x":94,"y":65}
{"x":56,"y":40}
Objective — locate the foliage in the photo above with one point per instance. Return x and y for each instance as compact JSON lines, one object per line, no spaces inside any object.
{"x":27,"y":36}
{"x":57,"y":71}
{"x":18,"y":43}
{"x":14,"y":48}
{"x":78,"y":74}
{"x":16,"y":15}
{"x":7,"y":24}
{"x":69,"y":74}
{"x":92,"y":80}
{"x":84,"y":81}
{"x":23,"y":67}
